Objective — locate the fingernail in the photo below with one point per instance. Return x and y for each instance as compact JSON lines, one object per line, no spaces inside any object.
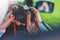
{"x":11,"y":14}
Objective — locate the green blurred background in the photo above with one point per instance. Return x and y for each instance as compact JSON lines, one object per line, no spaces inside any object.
{"x":53,"y":19}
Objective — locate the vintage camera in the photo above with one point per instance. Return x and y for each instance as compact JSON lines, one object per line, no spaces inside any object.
{"x":20,"y":12}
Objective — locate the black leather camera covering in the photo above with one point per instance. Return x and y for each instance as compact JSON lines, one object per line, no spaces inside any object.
{"x":21,"y":14}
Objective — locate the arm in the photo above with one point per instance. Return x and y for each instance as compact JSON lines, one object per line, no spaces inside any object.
{"x":7,"y":21}
{"x":29,"y":22}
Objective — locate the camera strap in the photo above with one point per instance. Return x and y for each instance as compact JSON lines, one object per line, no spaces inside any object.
{"x":14,"y":29}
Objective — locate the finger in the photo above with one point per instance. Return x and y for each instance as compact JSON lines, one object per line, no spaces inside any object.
{"x":23,"y":24}
{"x":11,"y":15}
{"x":28,"y":15}
{"x":17,"y":22}
{"x":34,"y":9}
{"x":28,"y":21}
{"x":12,"y":18}
{"x":9,"y":20}
{"x":8,"y":15}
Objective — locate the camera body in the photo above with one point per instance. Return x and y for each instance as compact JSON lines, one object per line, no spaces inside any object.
{"x":20,"y":12}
